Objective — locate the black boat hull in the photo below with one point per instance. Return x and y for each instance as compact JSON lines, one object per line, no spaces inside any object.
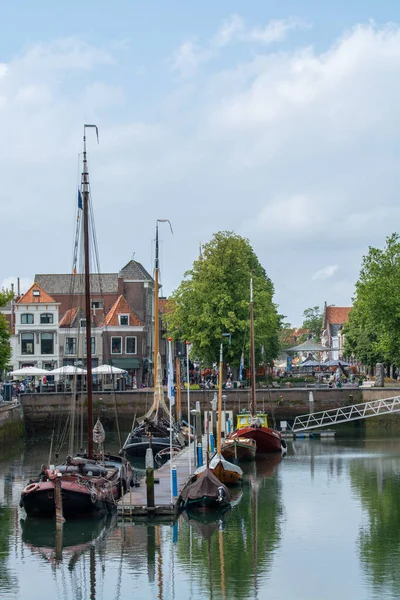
{"x":137,"y":446}
{"x":74,"y":504}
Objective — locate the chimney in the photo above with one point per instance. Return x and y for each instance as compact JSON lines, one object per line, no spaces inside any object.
{"x":18,"y":288}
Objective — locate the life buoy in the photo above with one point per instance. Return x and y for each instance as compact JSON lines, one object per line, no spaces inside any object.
{"x":32,"y":487}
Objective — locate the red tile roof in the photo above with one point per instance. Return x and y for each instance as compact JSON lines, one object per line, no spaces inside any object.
{"x":121,"y":307}
{"x":68,"y":317}
{"x":337,"y":315}
{"x":42,"y":298}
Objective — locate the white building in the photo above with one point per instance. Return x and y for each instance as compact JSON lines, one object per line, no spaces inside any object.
{"x":35,"y":341}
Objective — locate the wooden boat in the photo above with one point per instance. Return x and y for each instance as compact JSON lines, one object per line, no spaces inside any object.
{"x":256,"y":428}
{"x":238,"y":449}
{"x":252,"y":425}
{"x":205,"y":492}
{"x":88,"y":487}
{"x":88,"y":484}
{"x":227,"y":472}
{"x":155,"y":424}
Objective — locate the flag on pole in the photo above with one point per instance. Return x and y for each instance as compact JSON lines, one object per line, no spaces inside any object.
{"x":171,"y":391}
{"x":80,"y":202}
{"x":241,"y":367}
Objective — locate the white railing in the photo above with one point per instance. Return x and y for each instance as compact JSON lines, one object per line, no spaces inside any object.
{"x":325,"y":418}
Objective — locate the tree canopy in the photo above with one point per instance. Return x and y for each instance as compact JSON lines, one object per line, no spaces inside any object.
{"x":312,"y":321}
{"x":373,"y":329}
{"x":214,"y":299}
{"x":5,"y":348}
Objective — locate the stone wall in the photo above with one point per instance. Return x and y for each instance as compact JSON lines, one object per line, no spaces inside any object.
{"x":11,"y":423}
{"x":40,"y":410}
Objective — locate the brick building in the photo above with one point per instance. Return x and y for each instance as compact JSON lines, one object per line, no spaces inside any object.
{"x":334,"y":319}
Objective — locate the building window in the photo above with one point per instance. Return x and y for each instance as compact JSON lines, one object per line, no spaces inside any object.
{"x":70,"y":345}
{"x":116,"y":345}
{"x":97,"y":303}
{"x":46,"y":343}
{"x":123,"y":319}
{"x":82,"y":323}
{"x":36,"y":293}
{"x":93,"y":346}
{"x":46,"y":319}
{"x":27,"y":319}
{"x":27,"y":343}
{"x":130,"y":345}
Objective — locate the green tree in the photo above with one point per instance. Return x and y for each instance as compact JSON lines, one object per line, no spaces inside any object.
{"x":214,"y":299}
{"x":5,"y":348}
{"x":373,"y":329}
{"x":312,"y":320}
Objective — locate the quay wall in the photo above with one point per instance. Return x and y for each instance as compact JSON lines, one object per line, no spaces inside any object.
{"x":41,"y":410}
{"x":11,"y":423}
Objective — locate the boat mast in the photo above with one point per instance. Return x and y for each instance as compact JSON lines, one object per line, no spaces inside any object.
{"x":252,"y":355}
{"x":156,"y":307}
{"x":156,"y":311}
{"x":219,"y":403}
{"x":86,"y":243}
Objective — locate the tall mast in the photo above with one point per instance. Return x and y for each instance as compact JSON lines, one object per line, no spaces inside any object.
{"x":252,"y":355}
{"x":86,"y":243}
{"x":156,"y":310}
{"x":219,"y":403}
{"x":156,"y":302}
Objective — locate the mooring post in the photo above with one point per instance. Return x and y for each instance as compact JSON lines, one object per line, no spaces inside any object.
{"x":150,"y":477}
{"x":174,"y":482}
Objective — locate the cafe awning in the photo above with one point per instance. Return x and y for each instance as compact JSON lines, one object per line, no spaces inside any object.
{"x":125,"y":363}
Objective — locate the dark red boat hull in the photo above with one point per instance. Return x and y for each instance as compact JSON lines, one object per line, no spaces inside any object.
{"x":267,"y":440}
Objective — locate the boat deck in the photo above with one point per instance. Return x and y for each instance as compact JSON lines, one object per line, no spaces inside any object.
{"x":134,"y":503}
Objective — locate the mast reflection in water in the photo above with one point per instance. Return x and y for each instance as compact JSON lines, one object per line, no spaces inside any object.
{"x":326,"y":503}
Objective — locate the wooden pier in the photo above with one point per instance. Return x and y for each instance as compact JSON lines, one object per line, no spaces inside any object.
{"x":133,"y":504}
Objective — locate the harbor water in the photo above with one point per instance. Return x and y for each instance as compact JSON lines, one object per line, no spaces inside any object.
{"x":323,"y":522}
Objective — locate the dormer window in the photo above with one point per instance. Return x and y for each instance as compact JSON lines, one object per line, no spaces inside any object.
{"x":36,"y":293}
{"x":82,"y":323}
{"x":123,"y":319}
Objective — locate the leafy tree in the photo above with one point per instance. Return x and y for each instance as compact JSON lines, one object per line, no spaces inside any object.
{"x":214,"y":300}
{"x":5,"y":348}
{"x":287,"y":336}
{"x":312,"y":320}
{"x":373,"y":329}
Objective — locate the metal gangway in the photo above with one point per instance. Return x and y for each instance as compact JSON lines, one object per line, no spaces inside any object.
{"x":334,"y":416}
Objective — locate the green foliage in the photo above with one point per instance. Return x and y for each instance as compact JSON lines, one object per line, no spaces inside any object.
{"x":5,"y":348}
{"x":312,"y":320}
{"x":214,"y":299}
{"x":373,"y":329}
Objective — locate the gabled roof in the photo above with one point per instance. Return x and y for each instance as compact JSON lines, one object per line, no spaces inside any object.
{"x":337,"y":315}
{"x":121,"y":307}
{"x":41,"y":297}
{"x":134,"y":270}
{"x":75,"y":284}
{"x":69,"y":317}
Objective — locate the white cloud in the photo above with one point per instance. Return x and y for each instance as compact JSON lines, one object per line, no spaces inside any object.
{"x":295,"y":149}
{"x":190,"y":55}
{"x":326,"y":272}
{"x":275,"y":31}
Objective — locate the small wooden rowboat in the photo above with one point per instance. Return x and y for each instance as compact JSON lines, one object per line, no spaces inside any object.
{"x":239,"y":449}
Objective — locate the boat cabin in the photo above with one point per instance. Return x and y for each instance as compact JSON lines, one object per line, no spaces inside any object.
{"x":243,"y":420}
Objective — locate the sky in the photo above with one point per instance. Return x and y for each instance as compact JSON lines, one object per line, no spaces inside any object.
{"x":279,"y":121}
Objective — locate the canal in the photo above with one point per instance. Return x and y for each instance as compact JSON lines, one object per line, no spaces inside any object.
{"x":322,"y":523}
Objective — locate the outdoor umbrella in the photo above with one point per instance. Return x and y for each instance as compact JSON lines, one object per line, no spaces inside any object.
{"x":107,"y":370}
{"x":29,"y":372}
{"x":68,"y":370}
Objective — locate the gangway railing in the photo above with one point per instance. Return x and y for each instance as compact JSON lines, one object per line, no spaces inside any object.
{"x":354,"y":412}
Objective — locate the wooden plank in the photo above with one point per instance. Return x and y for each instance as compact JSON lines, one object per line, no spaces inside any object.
{"x":133,"y":503}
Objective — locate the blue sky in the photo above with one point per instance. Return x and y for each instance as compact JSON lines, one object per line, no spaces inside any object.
{"x":277,"y":120}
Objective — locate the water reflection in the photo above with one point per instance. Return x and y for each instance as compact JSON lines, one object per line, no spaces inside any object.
{"x":377,"y":482}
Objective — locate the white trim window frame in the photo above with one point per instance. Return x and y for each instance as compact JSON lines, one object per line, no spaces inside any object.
{"x":115,"y":337}
{"x":123,"y":320}
{"x":128,"y":337}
